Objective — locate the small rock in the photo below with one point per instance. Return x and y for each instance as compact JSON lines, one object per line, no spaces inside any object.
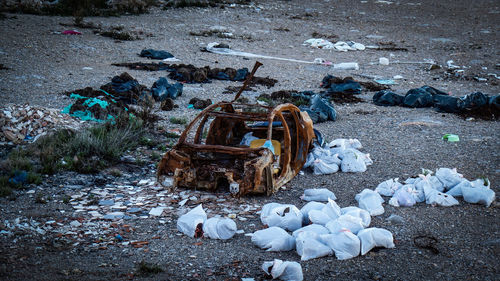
{"x":75,"y":224}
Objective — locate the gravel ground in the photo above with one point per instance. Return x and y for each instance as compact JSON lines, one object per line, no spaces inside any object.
{"x":401,"y":141}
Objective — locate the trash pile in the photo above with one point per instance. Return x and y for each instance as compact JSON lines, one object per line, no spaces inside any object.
{"x":438,"y":190}
{"x":319,"y":229}
{"x":342,"y":46}
{"x":20,"y":123}
{"x":340,"y":154}
{"x":112,"y":99}
{"x":473,"y":104}
{"x":192,"y":74}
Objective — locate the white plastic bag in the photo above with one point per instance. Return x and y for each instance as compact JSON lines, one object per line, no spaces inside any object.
{"x":320,"y":167}
{"x":309,"y":160}
{"x":346,"y":143}
{"x":219,"y":228}
{"x":318,"y":194}
{"x":432,"y":181}
{"x":375,"y":237}
{"x":316,"y":228}
{"x":478,"y":195}
{"x":273,"y":239}
{"x":284,"y":270}
{"x":191,"y":221}
{"x":247,"y":139}
{"x":449,"y":177}
{"x":309,"y":246}
{"x":434,"y":197}
{"x":388,"y":187}
{"x":329,"y":212}
{"x":344,"y":243}
{"x":286,"y":216}
{"x":404,"y":196}
{"x":370,"y":201}
{"x":364,"y":215}
{"x":313,"y":205}
{"x":353,"y":224}
{"x":456,"y":191}
{"x":352,"y":162}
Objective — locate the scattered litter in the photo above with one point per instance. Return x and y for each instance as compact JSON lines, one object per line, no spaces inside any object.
{"x":284,"y":270}
{"x":161,"y":89}
{"x":156,"y":211}
{"x":213,"y":48}
{"x":474,"y":104}
{"x":450,"y":138}
{"x":339,"y":46}
{"x":383,"y":61}
{"x":191,"y":223}
{"x":155,"y":54}
{"x":375,"y":237}
{"x":71,"y":32}
{"x":385,"y":81}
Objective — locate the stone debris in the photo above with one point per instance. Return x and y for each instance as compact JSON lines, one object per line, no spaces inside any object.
{"x":21,"y":123}
{"x":101,"y":214}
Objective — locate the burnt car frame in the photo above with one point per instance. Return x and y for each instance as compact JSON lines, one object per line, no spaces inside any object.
{"x":210,"y":155}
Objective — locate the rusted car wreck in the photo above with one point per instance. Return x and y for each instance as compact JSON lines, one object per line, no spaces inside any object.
{"x":246,"y":149}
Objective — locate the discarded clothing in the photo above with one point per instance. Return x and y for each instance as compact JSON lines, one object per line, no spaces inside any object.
{"x":162,"y":90}
{"x":320,"y":110}
{"x":473,"y":104}
{"x":155,"y":54}
{"x":127,"y":89}
{"x":338,"y":85}
{"x":98,"y":109}
{"x":387,"y":98}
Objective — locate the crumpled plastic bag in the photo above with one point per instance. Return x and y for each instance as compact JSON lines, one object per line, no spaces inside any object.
{"x":456,"y":191}
{"x":318,"y":194}
{"x":329,"y":212}
{"x":353,"y":224}
{"x":344,"y":243}
{"x":316,"y":228}
{"x":478,"y":195}
{"x":284,"y":270}
{"x":364,"y":215}
{"x":320,"y":167}
{"x":404,"y":196}
{"x":273,"y":239}
{"x":346,"y":143}
{"x":286,"y":216}
{"x":375,"y":237}
{"x":430,"y":180}
{"x":247,"y":139}
{"x":313,"y":205}
{"x":191,"y":223}
{"x":309,"y":246}
{"x":352,"y":162}
{"x":434,"y":197}
{"x":449,"y":177}
{"x":388,"y":187}
{"x":219,"y":228}
{"x":370,"y":201}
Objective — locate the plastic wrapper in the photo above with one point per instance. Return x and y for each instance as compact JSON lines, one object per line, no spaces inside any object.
{"x":344,"y":243}
{"x":375,"y":237}
{"x":318,"y":194}
{"x":219,"y":228}
{"x":370,"y":201}
{"x":273,"y":239}
{"x":284,"y":270}
{"x":192,"y":222}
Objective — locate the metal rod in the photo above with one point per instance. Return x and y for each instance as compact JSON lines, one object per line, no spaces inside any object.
{"x":249,"y":78}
